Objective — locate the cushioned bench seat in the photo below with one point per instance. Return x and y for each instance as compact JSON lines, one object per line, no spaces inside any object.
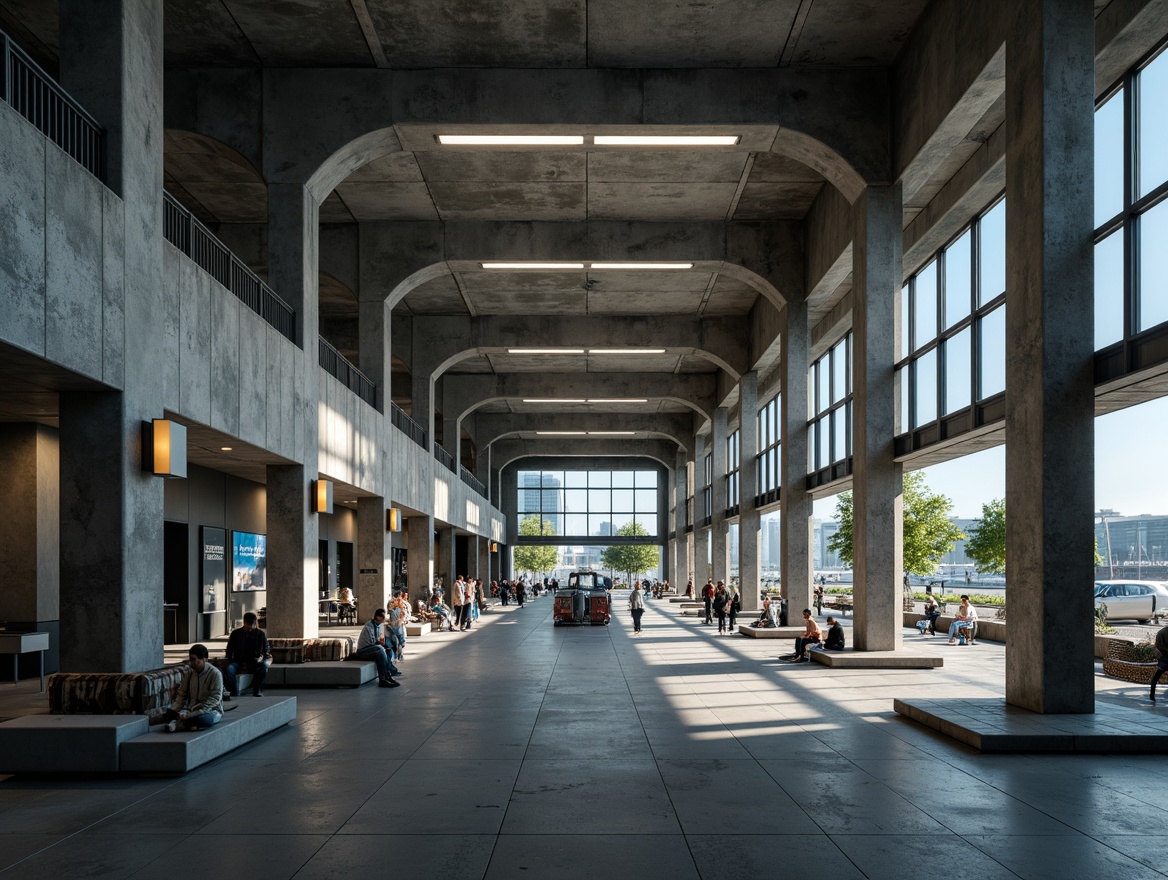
{"x":850,"y":659}
{"x":770,"y":632}
{"x":161,"y":752}
{"x":66,"y":743}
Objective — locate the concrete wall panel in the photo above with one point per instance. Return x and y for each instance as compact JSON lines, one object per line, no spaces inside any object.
{"x":193,"y":287}
{"x":225,"y":309}
{"x":113,"y":290}
{"x":73,"y":265}
{"x":22,"y":232}
{"x":253,"y":377}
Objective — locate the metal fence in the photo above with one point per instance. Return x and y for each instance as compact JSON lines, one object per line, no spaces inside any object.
{"x":445,"y":457}
{"x":352,"y":378}
{"x":40,"y":100}
{"x":472,"y":481}
{"x":399,"y":419}
{"x":186,"y":233}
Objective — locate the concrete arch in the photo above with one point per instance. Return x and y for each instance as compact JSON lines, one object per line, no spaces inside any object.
{"x":657,"y":435}
{"x":500,"y":399}
{"x":198,"y":165}
{"x":512,"y":451}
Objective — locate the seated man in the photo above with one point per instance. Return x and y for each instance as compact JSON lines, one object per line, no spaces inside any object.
{"x":371,"y":646}
{"x":441,"y":612}
{"x":247,"y":651}
{"x":965,"y":623}
{"x":811,"y":636}
{"x":769,"y":615}
{"x":199,"y":700}
{"x":423,"y":612}
{"x":932,"y":612}
{"x":835,"y":635}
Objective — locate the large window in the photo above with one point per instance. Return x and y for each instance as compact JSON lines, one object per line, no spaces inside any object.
{"x":830,"y":392}
{"x":953,"y":325}
{"x":733,"y":462}
{"x":767,"y":472}
{"x":1131,"y":220}
{"x":707,"y":508}
{"x":589,"y":503}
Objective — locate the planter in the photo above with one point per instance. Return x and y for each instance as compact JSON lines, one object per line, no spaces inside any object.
{"x":1120,"y":663}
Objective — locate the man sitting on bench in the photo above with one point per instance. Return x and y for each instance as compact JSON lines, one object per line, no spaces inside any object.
{"x":247,"y":651}
{"x":199,"y":701}
{"x":835,"y":635}
{"x":770,"y":614}
{"x":811,"y":636}
{"x":371,"y":646}
{"x":964,"y":624}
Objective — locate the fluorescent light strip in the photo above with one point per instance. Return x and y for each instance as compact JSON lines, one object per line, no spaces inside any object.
{"x":619,"y":400}
{"x":553,"y":400}
{"x":626,"y":351}
{"x":634,"y":267}
{"x":545,"y":351}
{"x":561,"y":433}
{"x":511,"y":140}
{"x":665,"y":140}
{"x":554,"y":267}
{"x":611,"y":433}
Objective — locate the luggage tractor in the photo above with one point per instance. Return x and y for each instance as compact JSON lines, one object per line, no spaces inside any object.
{"x":584,"y":601}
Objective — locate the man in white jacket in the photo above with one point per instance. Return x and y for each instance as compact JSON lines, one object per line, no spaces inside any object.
{"x":199,"y":701}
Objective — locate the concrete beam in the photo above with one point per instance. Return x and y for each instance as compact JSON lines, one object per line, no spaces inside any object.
{"x":491,"y":427}
{"x":506,"y":452}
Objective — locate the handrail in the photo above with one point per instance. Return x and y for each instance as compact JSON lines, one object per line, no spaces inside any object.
{"x":342,"y":368}
{"x":401,"y":421}
{"x":472,"y":481}
{"x":40,"y":99}
{"x":445,"y":457}
{"x":183,"y":230}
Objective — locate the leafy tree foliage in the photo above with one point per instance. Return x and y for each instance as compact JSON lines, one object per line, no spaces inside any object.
{"x":631,"y":558}
{"x":987,"y":543}
{"x":536,"y":557}
{"x":928,"y":532}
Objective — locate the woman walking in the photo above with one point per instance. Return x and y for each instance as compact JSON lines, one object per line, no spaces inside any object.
{"x":734,"y":607}
{"x":636,"y":607}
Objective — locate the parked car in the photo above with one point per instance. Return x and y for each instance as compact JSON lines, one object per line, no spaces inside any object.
{"x":1132,"y":600}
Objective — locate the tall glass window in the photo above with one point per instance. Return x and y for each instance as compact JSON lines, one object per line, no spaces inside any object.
{"x":589,"y":503}
{"x":767,"y":470}
{"x":831,"y":396}
{"x":944,"y":308}
{"x":733,"y":461}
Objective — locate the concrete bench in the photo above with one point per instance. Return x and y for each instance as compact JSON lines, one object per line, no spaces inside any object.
{"x":681,"y":600}
{"x":326,"y":673}
{"x":179,"y":752}
{"x":420,"y":628}
{"x":770,"y":632}
{"x":66,"y":743}
{"x":852,"y":659}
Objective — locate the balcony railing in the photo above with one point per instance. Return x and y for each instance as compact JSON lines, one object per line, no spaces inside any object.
{"x":445,"y":457}
{"x":399,"y":419}
{"x":339,"y":366}
{"x":39,"y":99}
{"x":191,"y":237}
{"x":472,"y":481}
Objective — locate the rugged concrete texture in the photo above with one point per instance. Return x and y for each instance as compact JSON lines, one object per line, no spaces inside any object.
{"x":1049,"y":410}
{"x":849,"y":659}
{"x":876,"y":480}
{"x":374,"y":559}
{"x":66,"y":743}
{"x":420,"y":552}
{"x":445,"y":567}
{"x":749,"y":559}
{"x":795,"y":522}
{"x":30,"y":521}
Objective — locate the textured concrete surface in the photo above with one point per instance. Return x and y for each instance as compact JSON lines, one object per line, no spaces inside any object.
{"x":66,"y":743}
{"x":850,"y":659}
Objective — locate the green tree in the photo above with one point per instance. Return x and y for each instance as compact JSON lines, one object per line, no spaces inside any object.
{"x":535,"y":557}
{"x":928,"y":532}
{"x":631,"y":558}
{"x":987,"y":542}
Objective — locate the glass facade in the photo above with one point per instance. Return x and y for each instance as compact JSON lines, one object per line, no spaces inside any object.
{"x":733,"y":460}
{"x":830,"y":393}
{"x":589,"y":503}
{"x":767,"y":476}
{"x":953,"y":325}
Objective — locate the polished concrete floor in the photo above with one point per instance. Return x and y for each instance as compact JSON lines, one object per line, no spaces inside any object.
{"x":526,"y":750}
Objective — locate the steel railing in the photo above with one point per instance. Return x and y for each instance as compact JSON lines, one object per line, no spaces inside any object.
{"x":39,"y":99}
{"x":399,"y":419}
{"x":472,"y":481}
{"x":339,"y":366}
{"x":445,"y":457}
{"x":183,"y":230}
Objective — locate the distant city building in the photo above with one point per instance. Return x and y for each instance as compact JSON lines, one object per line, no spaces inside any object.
{"x":1132,"y":546}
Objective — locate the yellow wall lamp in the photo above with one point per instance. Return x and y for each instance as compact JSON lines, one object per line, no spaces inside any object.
{"x":164,"y":448}
{"x":393,"y":519}
{"x":322,"y":496}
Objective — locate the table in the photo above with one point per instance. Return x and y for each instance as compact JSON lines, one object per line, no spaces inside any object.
{"x":24,"y":643}
{"x":327,"y":607}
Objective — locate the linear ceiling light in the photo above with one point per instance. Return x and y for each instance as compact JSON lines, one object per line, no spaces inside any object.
{"x":511,"y":140}
{"x":626,"y":351}
{"x":554,"y":400}
{"x":545,"y":351}
{"x":561,"y":433}
{"x":633,"y":267}
{"x":611,"y":433}
{"x":552,"y":267}
{"x":619,"y":400}
{"x":665,"y":140}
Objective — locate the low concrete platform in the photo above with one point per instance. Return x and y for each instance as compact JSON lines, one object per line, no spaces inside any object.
{"x":770,"y":632}
{"x":990,"y":725}
{"x":677,"y":600}
{"x":322,"y":673}
{"x":851,"y":659}
{"x":179,"y":752}
{"x":66,"y":743}
{"x":416,"y":630}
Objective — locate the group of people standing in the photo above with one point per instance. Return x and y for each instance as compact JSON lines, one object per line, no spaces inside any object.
{"x":721,"y":603}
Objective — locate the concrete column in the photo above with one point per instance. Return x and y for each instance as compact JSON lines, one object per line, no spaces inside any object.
{"x":420,"y":553}
{"x":701,"y":531}
{"x":1049,"y":362}
{"x":111,"y":512}
{"x":444,"y":558}
{"x":293,"y":554}
{"x":374,"y":557}
{"x":691,"y":572}
{"x":796,"y":525}
{"x":876,"y":537}
{"x":485,"y":563}
{"x":373,"y":344}
{"x":677,"y":564}
{"x":422,"y":405}
{"x":719,"y":528}
{"x":749,"y":561}
{"x":30,"y":521}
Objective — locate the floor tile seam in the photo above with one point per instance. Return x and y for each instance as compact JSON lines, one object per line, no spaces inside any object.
{"x":183,"y":837}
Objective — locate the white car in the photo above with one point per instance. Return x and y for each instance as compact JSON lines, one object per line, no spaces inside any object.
{"x":1131,"y":600}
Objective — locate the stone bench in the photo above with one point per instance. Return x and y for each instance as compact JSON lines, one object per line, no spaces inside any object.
{"x":325,"y":673}
{"x":420,"y":628}
{"x":852,"y":659}
{"x":770,"y":632}
{"x":176,"y":753}
{"x":66,"y":743}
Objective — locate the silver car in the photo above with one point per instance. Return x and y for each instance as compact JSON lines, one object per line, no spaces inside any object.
{"x":1132,"y":600}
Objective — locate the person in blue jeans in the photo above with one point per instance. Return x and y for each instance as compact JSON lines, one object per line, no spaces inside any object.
{"x":247,"y":651}
{"x":371,"y":646}
{"x":199,"y":701}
